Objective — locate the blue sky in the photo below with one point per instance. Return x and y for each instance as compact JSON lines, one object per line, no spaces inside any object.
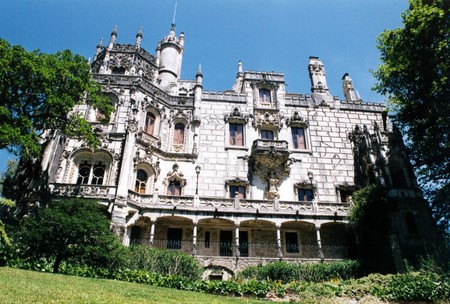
{"x":267,"y":35}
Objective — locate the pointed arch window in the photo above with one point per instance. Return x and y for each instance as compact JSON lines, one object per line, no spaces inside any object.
{"x":150,"y":121}
{"x":98,"y":174}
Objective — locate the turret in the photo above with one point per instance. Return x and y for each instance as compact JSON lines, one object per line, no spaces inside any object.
{"x":170,"y":55}
{"x":347,"y":85}
{"x":139,"y":38}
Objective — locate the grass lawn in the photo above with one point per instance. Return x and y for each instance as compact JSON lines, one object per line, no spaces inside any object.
{"x":23,"y":286}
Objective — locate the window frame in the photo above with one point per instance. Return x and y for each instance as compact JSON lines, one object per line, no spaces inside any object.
{"x":232,"y":138}
{"x":295,"y":140}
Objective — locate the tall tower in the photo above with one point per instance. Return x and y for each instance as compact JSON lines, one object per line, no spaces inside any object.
{"x":169,"y":56}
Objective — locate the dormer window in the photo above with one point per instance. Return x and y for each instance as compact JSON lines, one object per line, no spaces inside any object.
{"x":264,"y":96}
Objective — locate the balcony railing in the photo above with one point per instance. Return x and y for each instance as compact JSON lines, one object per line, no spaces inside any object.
{"x":249,"y":249}
{"x":87,"y":191}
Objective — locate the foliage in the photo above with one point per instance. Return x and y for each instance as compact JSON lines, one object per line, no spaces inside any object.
{"x":414,"y":74}
{"x":308,"y":272}
{"x":37,"y":93}
{"x":162,"y":261}
{"x":75,"y":230}
{"x":369,"y":218}
{"x":3,"y":236}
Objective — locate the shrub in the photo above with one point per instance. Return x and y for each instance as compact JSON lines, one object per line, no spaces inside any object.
{"x":163,"y":261}
{"x":311,"y":272}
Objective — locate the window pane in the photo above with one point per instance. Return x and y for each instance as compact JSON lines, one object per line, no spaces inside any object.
{"x":174,"y":188}
{"x":240,"y":190}
{"x":264,"y":96}
{"x":149,"y":123}
{"x":99,"y":172}
{"x":267,"y":134}
{"x":178,"y":136}
{"x":305,"y":195}
{"x":141,"y":181}
{"x":236,"y":134}
{"x":298,"y":138}
{"x":83,"y":174}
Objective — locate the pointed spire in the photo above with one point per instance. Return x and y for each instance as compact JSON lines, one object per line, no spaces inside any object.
{"x":113,"y":37}
{"x":99,"y":46}
{"x":139,"y":38}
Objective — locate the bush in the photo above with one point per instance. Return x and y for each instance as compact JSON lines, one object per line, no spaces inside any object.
{"x":310,"y":272}
{"x":163,"y":261}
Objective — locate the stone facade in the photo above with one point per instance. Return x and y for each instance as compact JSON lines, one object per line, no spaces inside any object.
{"x":245,"y":176}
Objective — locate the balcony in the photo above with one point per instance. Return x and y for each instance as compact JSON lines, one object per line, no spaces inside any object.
{"x":250,"y":250}
{"x":270,"y":157}
{"x":85,"y":191}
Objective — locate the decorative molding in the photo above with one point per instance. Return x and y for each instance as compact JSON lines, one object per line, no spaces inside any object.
{"x":236,"y":116}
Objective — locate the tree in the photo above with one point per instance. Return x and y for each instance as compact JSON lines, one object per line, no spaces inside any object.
{"x":3,"y":236}
{"x":414,"y":74}
{"x":37,"y":94}
{"x":71,"y":229}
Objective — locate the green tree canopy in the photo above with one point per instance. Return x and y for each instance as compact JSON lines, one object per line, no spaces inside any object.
{"x":37,"y":94}
{"x":71,"y":229}
{"x":414,"y":75}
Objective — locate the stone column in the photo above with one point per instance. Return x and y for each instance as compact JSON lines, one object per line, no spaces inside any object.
{"x":238,"y":253}
{"x":279,"y":251}
{"x":194,"y":239}
{"x":319,"y":243}
{"x":152,"y":233}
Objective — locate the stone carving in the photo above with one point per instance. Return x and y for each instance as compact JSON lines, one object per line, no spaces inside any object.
{"x":271,"y":119}
{"x":317,"y":75}
{"x":296,"y":119}
{"x":132,"y":126}
{"x":273,"y":187}
{"x":236,"y":115}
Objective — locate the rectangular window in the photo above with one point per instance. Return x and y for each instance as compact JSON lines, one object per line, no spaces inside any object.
{"x":291,"y":242}
{"x":345,"y":195}
{"x":267,"y":134}
{"x":174,"y":237}
{"x":305,"y":195}
{"x":298,"y":138}
{"x":237,"y":190}
{"x":236,"y":134}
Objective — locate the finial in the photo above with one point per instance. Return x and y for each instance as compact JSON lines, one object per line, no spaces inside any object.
{"x":199,"y":71}
{"x":113,"y":37}
{"x":139,"y":37}
{"x":139,"y":32}
{"x":174,"y":15}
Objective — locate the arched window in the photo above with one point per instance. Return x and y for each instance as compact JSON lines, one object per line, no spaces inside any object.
{"x":149,"y":126}
{"x":264,"y":96}
{"x":98,"y":174}
{"x":141,"y":181}
{"x":84,"y":172}
{"x":178,"y":134}
{"x":174,"y":188}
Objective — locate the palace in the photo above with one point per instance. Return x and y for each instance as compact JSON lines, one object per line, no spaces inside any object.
{"x":241,"y":177}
